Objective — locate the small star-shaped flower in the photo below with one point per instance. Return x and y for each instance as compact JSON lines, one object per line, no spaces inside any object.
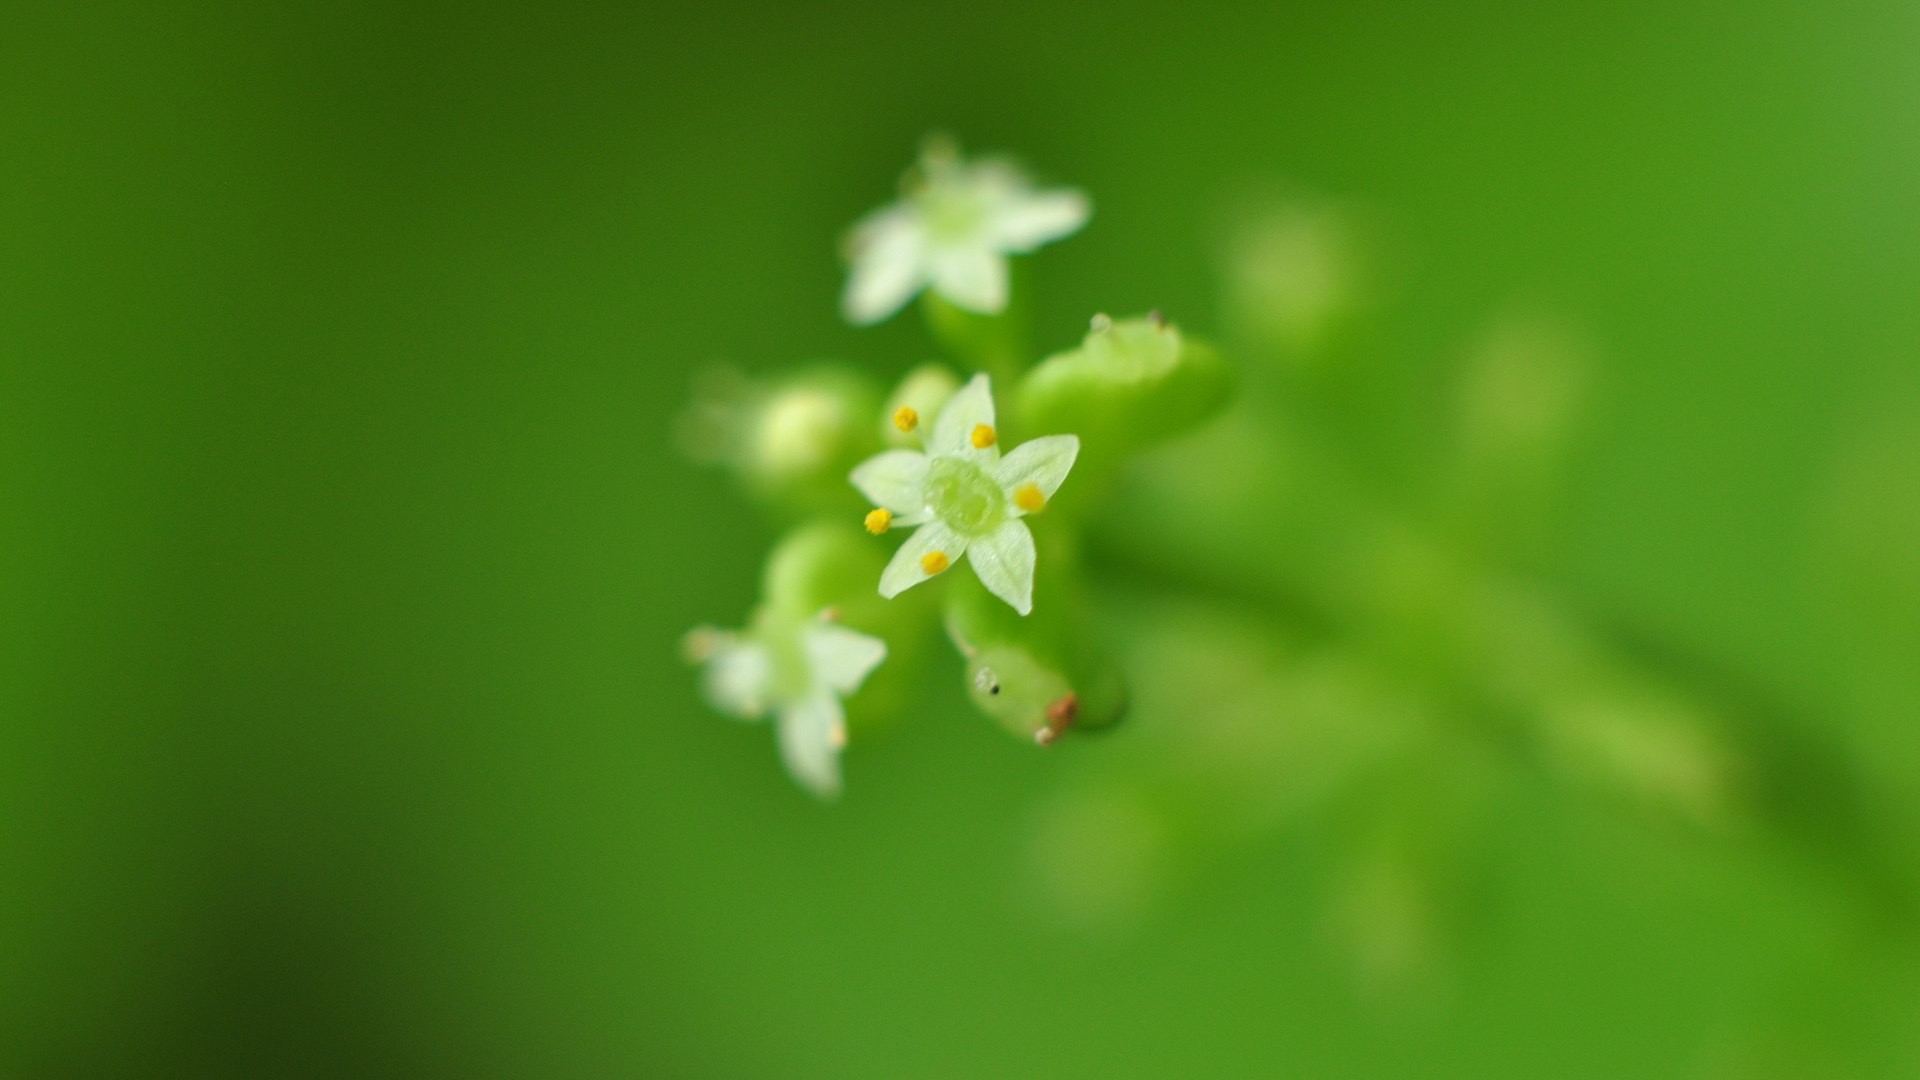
{"x":798,"y":669}
{"x":953,"y":228}
{"x":966,"y":498}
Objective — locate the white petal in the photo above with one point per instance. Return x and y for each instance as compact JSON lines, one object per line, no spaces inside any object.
{"x":968,"y":408}
{"x":1044,"y":462}
{"x":841,"y":658}
{"x":905,"y":571}
{"x":811,"y":731}
{"x":1030,"y":219}
{"x":1004,"y":560}
{"x":974,"y":278}
{"x":739,"y":678}
{"x":893,"y":479}
{"x":998,"y":179}
{"x":889,"y":265}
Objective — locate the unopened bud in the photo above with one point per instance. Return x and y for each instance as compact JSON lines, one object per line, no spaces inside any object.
{"x":1129,"y":384}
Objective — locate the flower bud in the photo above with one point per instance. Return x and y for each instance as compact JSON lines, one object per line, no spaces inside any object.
{"x":1038,"y":676}
{"x":1131,"y":383}
{"x":791,"y":441}
{"x":1025,"y":696}
{"x":808,"y":430}
{"x":820,"y":565}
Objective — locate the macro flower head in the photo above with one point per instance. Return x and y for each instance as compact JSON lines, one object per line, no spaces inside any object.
{"x":798,"y":669}
{"x":952,"y":230}
{"x":966,"y":497}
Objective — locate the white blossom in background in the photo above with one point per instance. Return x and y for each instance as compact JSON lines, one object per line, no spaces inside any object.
{"x":966,"y":498}
{"x":797,"y":669}
{"x":952,"y":230}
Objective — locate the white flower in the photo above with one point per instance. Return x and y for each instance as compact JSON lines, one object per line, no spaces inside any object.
{"x":953,"y":229}
{"x":798,"y":669}
{"x":967,"y":499}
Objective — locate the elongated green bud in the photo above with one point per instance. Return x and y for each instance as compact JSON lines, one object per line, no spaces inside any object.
{"x":1037,"y":676}
{"x":1130,"y":384}
{"x":1027,"y":697}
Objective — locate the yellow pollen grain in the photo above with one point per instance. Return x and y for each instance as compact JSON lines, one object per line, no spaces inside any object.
{"x":879,"y":521}
{"x":983,"y":436}
{"x":905,"y":419}
{"x":933,"y":562}
{"x":1028,"y":497}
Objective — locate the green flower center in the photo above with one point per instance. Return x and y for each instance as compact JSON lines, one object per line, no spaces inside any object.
{"x":952,"y":217}
{"x":961,"y":494}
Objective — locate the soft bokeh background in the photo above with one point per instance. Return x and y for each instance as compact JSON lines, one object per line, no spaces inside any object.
{"x":344,"y":549}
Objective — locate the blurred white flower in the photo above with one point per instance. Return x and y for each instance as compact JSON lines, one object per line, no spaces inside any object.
{"x":966,"y":498}
{"x":798,"y":669}
{"x":953,"y":228}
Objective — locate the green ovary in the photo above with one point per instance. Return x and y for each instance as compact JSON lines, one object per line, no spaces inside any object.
{"x":961,"y":494}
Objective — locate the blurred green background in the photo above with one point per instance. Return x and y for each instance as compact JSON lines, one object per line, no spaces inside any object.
{"x":344,"y":548}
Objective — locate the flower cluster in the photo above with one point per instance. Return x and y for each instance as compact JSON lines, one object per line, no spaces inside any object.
{"x":952,"y":230}
{"x":1302,"y":642}
{"x":939,"y":458}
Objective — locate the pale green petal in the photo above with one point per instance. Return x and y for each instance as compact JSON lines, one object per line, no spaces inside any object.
{"x":840,"y":658}
{"x":894,"y":479}
{"x":889,"y":256}
{"x":1004,"y":560}
{"x":972,"y":277}
{"x":1028,"y":219}
{"x":811,"y":733}
{"x":905,"y":571}
{"x":1043,"y":462}
{"x":739,"y":678}
{"x":968,"y":408}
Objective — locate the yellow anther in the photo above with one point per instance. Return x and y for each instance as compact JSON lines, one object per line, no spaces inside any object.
{"x":879,"y":521}
{"x":933,"y":562}
{"x":905,"y":419}
{"x":983,"y":436}
{"x":1028,"y":497}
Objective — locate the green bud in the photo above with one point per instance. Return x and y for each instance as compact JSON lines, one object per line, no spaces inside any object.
{"x":1130,"y":384}
{"x":1028,"y":698}
{"x":1038,"y":676}
{"x":790,"y":441}
{"x":923,"y":391}
{"x":819,"y":565}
